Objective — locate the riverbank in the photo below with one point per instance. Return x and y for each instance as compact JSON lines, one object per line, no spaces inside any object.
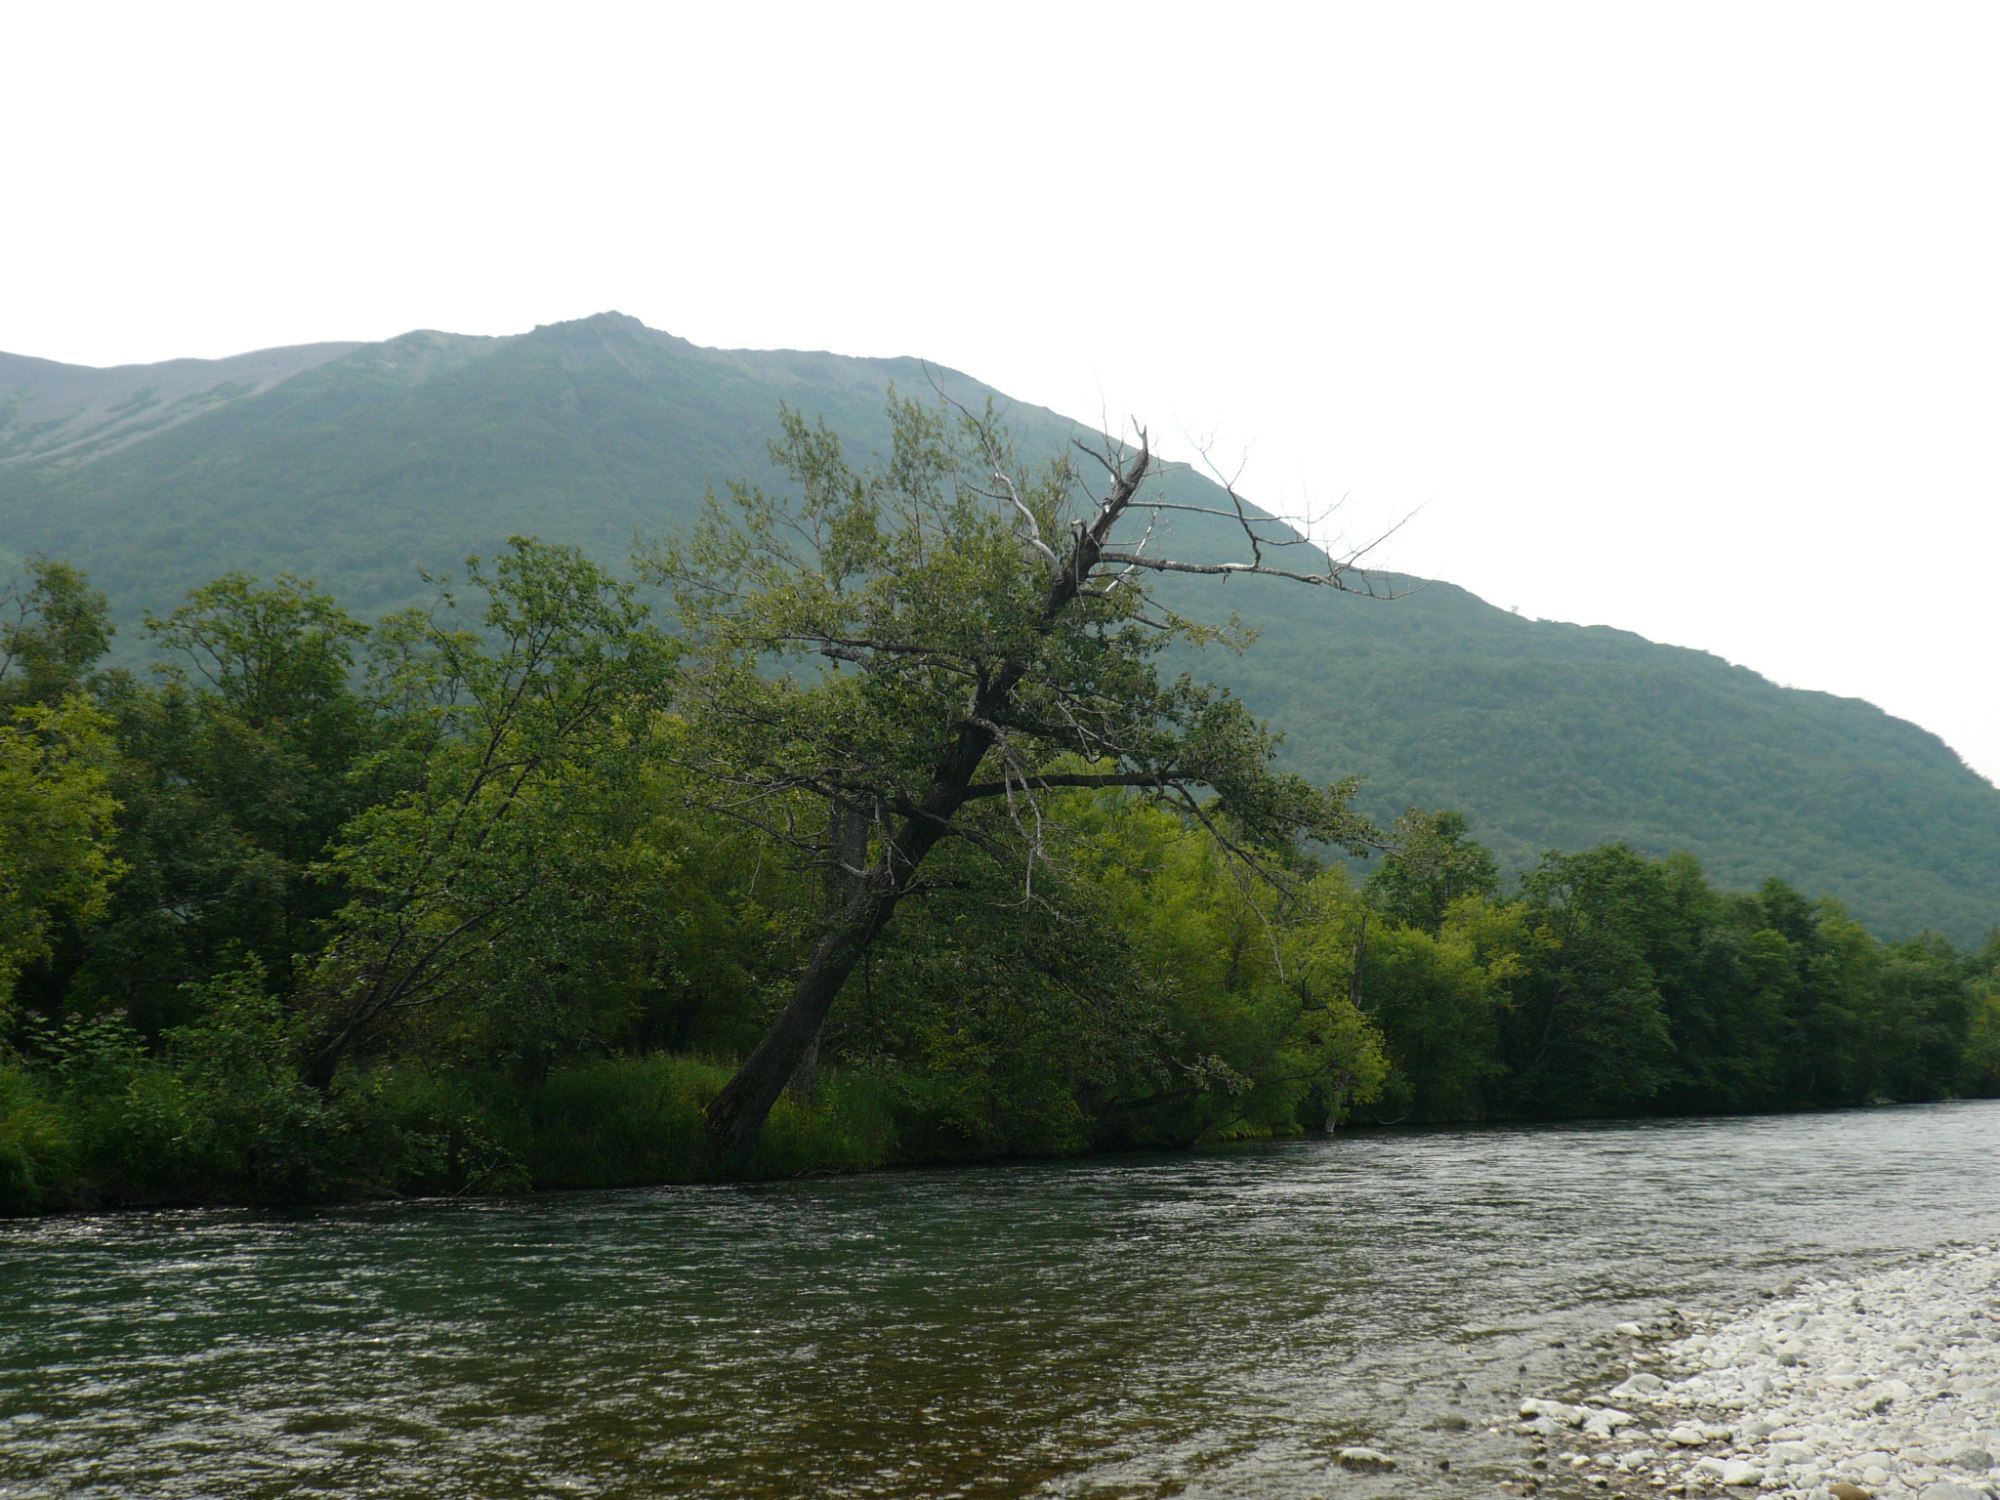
{"x":113,"y":1128}
{"x":1886,"y":1384}
{"x":130,"y":1132}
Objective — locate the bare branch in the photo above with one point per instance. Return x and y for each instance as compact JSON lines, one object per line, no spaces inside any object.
{"x":1055,"y":780}
{"x":1334,"y":577}
{"x":995,"y":457}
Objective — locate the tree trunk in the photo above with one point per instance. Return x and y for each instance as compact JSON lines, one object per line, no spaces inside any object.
{"x":847,"y":858}
{"x":736,"y":1115}
{"x":1360,"y":958}
{"x":320,"y":1066}
{"x":805,"y":1077}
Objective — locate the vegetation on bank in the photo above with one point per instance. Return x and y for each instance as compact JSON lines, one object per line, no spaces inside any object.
{"x":493,"y":895}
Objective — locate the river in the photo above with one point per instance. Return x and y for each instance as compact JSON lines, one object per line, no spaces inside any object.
{"x":1218,"y":1322}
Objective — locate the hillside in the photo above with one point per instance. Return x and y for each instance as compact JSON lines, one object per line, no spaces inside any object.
{"x":360,"y":464}
{"x":1565,"y":736}
{"x":371,"y":461}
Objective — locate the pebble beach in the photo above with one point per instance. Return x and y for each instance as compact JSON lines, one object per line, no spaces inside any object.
{"x":1885,"y":1386}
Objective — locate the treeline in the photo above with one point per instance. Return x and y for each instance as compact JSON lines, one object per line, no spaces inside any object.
{"x":315,"y":909}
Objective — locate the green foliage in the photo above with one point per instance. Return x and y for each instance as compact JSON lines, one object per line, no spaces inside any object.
{"x":624,"y":1121}
{"x":1432,"y":863}
{"x":900,"y":646}
{"x":53,"y":629}
{"x":218,"y":1111}
{"x":236,"y":767}
{"x":1258,"y":1032}
{"x":56,"y":805}
{"x":56,"y":811}
{"x":1009,"y":1021}
{"x":1439,"y":999}
{"x":843,"y":631}
{"x":1979,"y":1068}
{"x":495,"y":892}
{"x":1551,"y":735}
{"x":1588,"y":1030}
{"x":36,"y":1158}
{"x":277,"y":655}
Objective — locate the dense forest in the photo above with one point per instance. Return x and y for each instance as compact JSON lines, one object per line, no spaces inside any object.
{"x":497,"y":891}
{"x":357,"y":465}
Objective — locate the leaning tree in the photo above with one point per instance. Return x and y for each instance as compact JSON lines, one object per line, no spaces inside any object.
{"x":879,"y":659}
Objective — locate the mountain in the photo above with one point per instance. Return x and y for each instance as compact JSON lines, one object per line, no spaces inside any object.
{"x":359,"y":464}
{"x":365,"y":462}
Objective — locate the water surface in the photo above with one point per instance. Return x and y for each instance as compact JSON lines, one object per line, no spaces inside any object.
{"x":1215,"y":1323}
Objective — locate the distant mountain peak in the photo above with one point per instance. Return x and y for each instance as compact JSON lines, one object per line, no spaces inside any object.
{"x":599,"y":323}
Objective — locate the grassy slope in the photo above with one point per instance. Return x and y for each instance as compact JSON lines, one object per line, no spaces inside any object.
{"x":359,"y":465}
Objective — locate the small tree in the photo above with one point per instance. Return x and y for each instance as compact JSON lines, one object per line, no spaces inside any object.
{"x":56,"y":814}
{"x":475,"y":879}
{"x":233,"y":772}
{"x":932,"y":645}
{"x":53,"y":628}
{"x":1433,"y":862}
{"x":56,"y":809}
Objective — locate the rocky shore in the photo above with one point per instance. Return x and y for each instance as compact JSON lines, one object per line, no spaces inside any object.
{"x":1885,"y":1386}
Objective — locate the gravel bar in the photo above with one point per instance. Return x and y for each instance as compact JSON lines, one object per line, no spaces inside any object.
{"x":1885,"y":1385}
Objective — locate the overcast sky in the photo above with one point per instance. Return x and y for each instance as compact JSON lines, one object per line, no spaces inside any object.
{"x":1683,"y":318}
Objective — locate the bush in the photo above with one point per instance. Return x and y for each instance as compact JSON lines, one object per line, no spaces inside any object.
{"x":36,"y":1169}
{"x":627,"y":1121}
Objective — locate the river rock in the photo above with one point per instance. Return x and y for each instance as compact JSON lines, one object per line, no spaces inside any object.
{"x":1686,"y":1437}
{"x":1950,"y":1489}
{"x":1972,"y":1458}
{"x":1737,"y":1471}
{"x":1840,"y":1489}
{"x":1638,"y":1383}
{"x":1364,"y":1460}
{"x":1729,"y":1472}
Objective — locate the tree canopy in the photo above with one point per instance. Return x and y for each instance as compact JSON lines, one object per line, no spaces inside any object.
{"x":933,"y":645}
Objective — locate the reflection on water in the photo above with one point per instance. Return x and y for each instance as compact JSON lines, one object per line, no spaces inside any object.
{"x":1215,"y":1323}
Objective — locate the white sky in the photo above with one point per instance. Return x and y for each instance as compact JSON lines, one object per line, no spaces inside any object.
{"x":1682,"y":317}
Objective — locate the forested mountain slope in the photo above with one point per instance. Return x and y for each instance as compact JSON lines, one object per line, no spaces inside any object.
{"x":360,"y":464}
{"x":1564,"y":736}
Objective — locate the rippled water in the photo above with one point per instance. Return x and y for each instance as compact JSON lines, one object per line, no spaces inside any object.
{"x":1216,"y":1323}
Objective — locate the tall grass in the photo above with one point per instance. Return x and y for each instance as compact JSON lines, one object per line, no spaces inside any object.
{"x":134,"y":1129}
{"x":35,"y":1144}
{"x":625,"y":1121}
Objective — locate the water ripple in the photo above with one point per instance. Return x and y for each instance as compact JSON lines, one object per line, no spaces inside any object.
{"x":1216,"y":1323}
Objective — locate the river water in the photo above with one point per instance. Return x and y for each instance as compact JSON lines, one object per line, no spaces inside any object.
{"x":1211,"y":1323}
